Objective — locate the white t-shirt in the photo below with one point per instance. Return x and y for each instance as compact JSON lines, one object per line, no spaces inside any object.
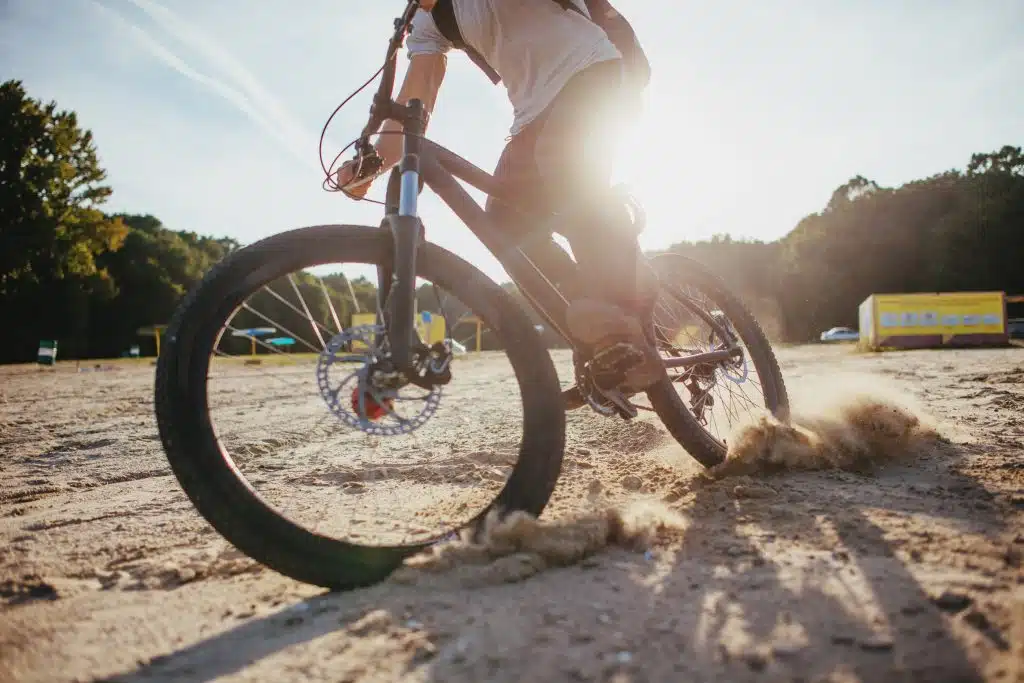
{"x":536,"y":46}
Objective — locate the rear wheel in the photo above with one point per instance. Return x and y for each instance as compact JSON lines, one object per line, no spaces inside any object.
{"x":210,"y":468}
{"x":701,"y":405}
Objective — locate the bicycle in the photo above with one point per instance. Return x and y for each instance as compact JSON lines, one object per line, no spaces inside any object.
{"x":396,"y":356}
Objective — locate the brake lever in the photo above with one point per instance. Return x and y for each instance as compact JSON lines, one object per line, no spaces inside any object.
{"x":368,"y":169}
{"x":370,"y":162}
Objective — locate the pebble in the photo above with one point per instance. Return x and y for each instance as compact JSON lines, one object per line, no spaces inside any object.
{"x":876,"y":643}
{"x":952,"y":601}
{"x":786,"y":649}
{"x":108,"y":579}
{"x":753,"y":491}
{"x":631,"y":482}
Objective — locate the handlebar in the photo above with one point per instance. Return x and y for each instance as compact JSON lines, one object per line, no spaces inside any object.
{"x":383,"y":105}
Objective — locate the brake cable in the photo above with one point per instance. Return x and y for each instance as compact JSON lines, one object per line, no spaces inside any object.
{"x":378,"y":109}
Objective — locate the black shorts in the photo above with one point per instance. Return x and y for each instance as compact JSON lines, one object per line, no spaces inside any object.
{"x":563,"y":155}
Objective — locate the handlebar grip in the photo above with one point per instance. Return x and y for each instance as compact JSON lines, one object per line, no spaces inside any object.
{"x":369,"y":168}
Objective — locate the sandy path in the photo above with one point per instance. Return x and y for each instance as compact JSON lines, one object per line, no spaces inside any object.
{"x":908,"y":572}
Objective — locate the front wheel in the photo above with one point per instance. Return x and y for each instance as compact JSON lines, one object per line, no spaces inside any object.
{"x":701,"y":405}
{"x":289,"y":318}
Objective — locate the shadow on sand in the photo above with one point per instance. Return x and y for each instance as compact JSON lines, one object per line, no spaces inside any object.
{"x":811,"y":579}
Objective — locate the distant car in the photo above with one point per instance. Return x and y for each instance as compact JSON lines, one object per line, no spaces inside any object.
{"x":1015,"y":328}
{"x":840,"y":334}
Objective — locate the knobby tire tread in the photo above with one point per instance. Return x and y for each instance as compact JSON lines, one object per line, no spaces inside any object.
{"x":674,"y":413}
{"x":209,"y":477}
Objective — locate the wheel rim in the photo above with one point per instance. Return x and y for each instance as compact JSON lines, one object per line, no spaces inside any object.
{"x":462,"y":483}
{"x":721,"y":396}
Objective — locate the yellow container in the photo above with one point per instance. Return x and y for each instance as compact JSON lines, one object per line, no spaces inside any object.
{"x":932,"y":320}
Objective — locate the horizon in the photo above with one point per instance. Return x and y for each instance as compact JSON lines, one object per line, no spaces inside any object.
{"x":211,"y":125}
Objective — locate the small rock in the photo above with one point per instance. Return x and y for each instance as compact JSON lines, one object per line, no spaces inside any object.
{"x":631,"y":482}
{"x":604,"y":618}
{"x":753,"y":491}
{"x":877,"y":643}
{"x":595,"y":487}
{"x":624,"y":657}
{"x":186,"y":574}
{"x":413,"y":624}
{"x":786,"y":649}
{"x":583,"y":451}
{"x":108,"y":579}
{"x":951,"y":601}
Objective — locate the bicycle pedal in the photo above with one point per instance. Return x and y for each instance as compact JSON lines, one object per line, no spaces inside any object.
{"x":625,"y":409}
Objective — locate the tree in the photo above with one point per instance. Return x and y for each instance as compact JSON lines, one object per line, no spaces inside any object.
{"x":851,"y":191}
{"x":1008,"y":160}
{"x":51,"y":226}
{"x":50,"y":193}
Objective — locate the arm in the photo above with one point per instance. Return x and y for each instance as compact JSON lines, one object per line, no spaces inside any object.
{"x":422,"y":81}
{"x":427,"y":63}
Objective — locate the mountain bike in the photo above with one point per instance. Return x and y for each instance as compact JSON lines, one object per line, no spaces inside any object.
{"x":725,"y":344}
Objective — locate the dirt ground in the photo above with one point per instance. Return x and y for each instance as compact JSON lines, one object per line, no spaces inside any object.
{"x":882,"y":541}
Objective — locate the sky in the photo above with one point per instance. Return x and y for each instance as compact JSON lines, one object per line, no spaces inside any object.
{"x":207,"y":113}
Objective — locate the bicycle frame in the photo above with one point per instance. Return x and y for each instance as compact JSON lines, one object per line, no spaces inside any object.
{"x":427,"y":163}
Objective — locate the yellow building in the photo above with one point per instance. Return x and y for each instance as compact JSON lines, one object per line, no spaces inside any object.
{"x":430,"y":326}
{"x":933,"y":320}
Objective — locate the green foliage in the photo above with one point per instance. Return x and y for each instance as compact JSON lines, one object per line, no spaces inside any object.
{"x":52,"y":229}
{"x":953,"y":231}
{"x":51,"y":188}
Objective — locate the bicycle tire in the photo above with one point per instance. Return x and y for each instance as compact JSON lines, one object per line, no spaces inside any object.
{"x":220,"y":493}
{"x":666,"y":401}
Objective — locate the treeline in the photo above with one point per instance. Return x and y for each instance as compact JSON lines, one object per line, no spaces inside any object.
{"x":955,"y":231}
{"x":70,"y":271}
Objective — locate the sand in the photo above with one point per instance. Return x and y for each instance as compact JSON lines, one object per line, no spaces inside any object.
{"x":879,"y":538}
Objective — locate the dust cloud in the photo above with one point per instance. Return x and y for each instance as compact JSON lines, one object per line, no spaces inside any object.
{"x":519,"y":545}
{"x":840,"y":421}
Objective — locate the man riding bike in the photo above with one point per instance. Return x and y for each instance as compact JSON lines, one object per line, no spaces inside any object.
{"x":568,"y":84}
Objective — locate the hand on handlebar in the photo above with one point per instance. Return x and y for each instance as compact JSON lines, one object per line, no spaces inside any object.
{"x":356,"y":175}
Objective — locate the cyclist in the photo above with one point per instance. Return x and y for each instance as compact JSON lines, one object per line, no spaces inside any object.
{"x":569,"y":88}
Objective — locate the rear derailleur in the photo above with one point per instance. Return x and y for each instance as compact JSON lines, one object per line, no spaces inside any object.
{"x":701,"y":400}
